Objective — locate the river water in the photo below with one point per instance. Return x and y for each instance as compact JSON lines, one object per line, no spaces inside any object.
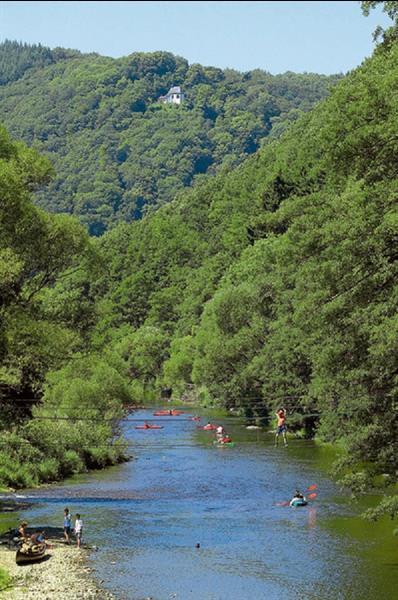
{"x":147,"y":517}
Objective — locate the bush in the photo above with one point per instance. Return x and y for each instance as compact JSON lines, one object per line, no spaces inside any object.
{"x":71,"y":462}
{"x":48,"y":470}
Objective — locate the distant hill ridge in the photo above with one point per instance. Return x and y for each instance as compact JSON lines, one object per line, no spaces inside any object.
{"x":117,"y":151}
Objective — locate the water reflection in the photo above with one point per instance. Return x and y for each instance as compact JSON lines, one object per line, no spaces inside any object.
{"x":311,"y":517}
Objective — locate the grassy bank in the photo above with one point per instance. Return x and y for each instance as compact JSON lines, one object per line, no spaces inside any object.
{"x":5,"y":580}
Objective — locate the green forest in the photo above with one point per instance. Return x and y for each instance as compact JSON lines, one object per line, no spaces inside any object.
{"x":116,"y":150}
{"x":272,"y":282}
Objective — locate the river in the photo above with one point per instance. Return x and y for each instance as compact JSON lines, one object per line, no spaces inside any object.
{"x":147,"y":517}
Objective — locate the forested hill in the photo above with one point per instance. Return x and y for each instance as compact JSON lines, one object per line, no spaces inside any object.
{"x":17,"y":58}
{"x":116,"y":150}
{"x":276,"y":284}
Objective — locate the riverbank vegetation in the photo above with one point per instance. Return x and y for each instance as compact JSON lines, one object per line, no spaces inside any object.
{"x":5,"y":580}
{"x":42,"y":337}
{"x":273,"y":284}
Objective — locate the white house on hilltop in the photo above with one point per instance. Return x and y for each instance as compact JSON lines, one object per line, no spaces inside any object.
{"x":173,"y":96}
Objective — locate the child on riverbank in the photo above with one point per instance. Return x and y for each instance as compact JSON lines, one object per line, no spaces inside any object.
{"x":67,"y":525}
{"x":78,"y":529}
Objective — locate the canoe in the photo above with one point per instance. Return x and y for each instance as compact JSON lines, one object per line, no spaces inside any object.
{"x":30,"y":554}
{"x":164,"y":413}
{"x":229,"y":444}
{"x":194,"y":418}
{"x":300,"y":503}
{"x":149,"y":427}
{"x":208,"y":427}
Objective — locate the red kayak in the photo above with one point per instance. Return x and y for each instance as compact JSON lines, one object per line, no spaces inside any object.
{"x":194,"y":418}
{"x":208,"y":427}
{"x":148,"y":427}
{"x":168,"y":413}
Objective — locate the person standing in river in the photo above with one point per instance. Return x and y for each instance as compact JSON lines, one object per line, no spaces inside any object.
{"x":67,"y":525}
{"x":281,"y":426}
{"x":78,"y":529}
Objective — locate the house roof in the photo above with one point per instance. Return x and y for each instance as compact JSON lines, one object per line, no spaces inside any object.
{"x":174,"y":90}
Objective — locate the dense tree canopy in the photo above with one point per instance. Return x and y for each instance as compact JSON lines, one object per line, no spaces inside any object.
{"x":116,"y":150}
{"x":391,"y":9}
{"x":45,"y":313}
{"x":276,"y":283}
{"x":273,"y":282}
{"x":17,"y":58}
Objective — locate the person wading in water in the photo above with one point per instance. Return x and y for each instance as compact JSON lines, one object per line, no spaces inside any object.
{"x":281,"y":427}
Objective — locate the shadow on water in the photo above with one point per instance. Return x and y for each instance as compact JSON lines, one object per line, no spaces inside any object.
{"x":149,"y":516}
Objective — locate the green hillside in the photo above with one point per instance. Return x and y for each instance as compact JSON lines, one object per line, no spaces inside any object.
{"x":277,"y":283}
{"x":272,"y":284}
{"x":116,"y":150}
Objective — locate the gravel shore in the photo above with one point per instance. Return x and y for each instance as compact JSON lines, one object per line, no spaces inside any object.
{"x":63,"y":576}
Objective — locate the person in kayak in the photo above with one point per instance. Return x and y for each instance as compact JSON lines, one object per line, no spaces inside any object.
{"x":298,"y":497}
{"x":220,"y":433}
{"x":225,"y":440}
{"x":281,"y":426}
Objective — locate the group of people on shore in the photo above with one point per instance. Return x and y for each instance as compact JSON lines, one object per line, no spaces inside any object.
{"x":39,"y":536}
{"x":77,"y":529}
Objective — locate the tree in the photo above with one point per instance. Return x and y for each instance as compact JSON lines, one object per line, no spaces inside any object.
{"x":390,"y":8}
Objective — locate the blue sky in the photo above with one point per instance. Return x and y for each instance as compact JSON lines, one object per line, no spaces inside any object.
{"x":323,"y":37}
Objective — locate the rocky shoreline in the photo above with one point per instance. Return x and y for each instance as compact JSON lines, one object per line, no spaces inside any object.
{"x":63,"y":575}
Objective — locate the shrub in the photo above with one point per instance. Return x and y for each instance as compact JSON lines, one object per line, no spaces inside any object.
{"x":48,"y":470}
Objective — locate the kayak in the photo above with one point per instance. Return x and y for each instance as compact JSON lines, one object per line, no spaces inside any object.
{"x":149,"y":427}
{"x":300,"y":503}
{"x":194,"y":418}
{"x":164,"y":413}
{"x":229,"y":444}
{"x":208,"y":427}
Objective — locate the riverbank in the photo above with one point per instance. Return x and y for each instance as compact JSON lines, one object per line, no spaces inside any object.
{"x":65,"y":574}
